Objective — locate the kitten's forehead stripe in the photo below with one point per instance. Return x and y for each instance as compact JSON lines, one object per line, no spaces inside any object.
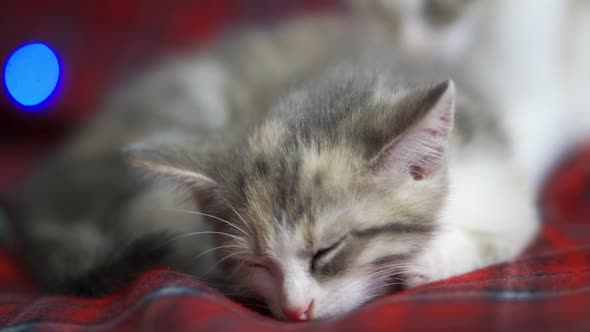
{"x":396,"y":227}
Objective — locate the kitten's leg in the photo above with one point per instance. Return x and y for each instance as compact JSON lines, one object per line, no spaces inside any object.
{"x":459,"y":251}
{"x":490,"y":218}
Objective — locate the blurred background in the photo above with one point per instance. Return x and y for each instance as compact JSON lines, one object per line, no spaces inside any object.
{"x":536,"y":53}
{"x":97,"y":43}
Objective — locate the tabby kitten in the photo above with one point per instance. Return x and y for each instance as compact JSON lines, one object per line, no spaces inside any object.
{"x":324,"y":179}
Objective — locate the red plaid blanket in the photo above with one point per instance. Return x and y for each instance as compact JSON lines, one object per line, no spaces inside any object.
{"x":546,"y":289}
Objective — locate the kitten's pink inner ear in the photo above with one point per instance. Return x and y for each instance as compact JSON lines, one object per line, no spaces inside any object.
{"x":422,"y":149}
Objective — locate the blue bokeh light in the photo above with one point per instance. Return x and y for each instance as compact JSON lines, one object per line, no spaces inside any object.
{"x":31,"y":74}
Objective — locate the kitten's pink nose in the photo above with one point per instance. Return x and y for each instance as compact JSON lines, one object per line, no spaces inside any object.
{"x":298,"y":314}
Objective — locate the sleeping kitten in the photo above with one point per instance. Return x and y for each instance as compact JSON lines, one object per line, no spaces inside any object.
{"x":315,"y":169}
{"x":349,"y":184}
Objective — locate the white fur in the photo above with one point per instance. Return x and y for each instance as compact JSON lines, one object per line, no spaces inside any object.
{"x":490,"y":217}
{"x":540,"y":132}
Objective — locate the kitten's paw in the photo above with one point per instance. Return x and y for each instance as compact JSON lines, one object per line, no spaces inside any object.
{"x":450,"y":254}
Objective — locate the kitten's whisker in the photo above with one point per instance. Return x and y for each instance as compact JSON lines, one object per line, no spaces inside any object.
{"x":406,"y":268}
{"x":216,"y":248}
{"x":223,"y":259}
{"x":212,"y":216}
{"x":398,"y":275}
{"x":384,"y":272}
{"x":397,"y":268}
{"x":361,"y":276}
{"x":355,"y":279}
{"x":235,"y":211}
{"x":372,"y":290}
{"x":208,"y":232}
{"x":393,"y":268}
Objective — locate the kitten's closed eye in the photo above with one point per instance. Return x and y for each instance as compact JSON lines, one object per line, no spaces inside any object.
{"x":324,"y":252}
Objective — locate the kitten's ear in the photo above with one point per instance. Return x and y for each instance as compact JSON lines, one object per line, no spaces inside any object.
{"x":422,"y":147}
{"x":173,"y":165}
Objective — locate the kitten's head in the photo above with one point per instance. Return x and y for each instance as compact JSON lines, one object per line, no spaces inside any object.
{"x":433,"y":28}
{"x":325,"y":203}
